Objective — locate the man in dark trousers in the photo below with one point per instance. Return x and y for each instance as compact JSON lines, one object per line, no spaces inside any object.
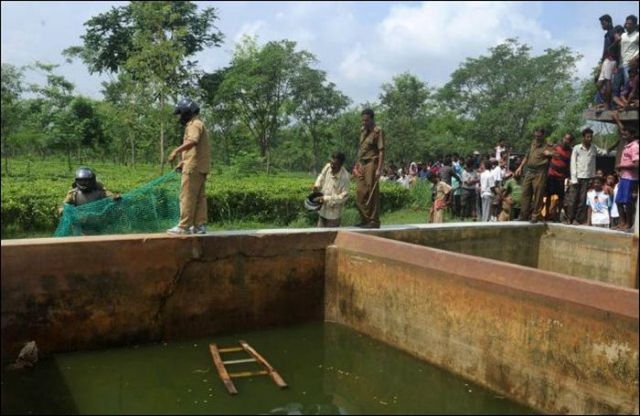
{"x":368,"y":170}
{"x":535,"y":163}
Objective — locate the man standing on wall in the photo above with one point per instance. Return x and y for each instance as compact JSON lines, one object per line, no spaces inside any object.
{"x":368,"y":170}
{"x":583,"y":169}
{"x":558,"y":172}
{"x":196,"y":154}
{"x":536,"y":164}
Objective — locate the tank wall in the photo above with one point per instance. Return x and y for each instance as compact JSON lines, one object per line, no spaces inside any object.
{"x":605,"y":256}
{"x":84,"y":293}
{"x":556,"y":343}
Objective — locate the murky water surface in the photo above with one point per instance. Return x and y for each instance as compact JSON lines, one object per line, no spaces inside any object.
{"x":330,"y":369}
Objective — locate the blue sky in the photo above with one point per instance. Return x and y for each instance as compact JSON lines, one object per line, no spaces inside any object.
{"x":360,"y":44}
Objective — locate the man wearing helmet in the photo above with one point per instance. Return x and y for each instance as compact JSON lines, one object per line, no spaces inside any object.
{"x":196,"y":154}
{"x":86,"y":189}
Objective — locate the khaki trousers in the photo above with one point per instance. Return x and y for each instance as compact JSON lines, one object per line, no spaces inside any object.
{"x":369,"y":213}
{"x":193,"y":202}
{"x":533,"y":190}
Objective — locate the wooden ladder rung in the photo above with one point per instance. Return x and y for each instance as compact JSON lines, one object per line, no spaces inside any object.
{"x":249,"y":373}
{"x":230,"y":349}
{"x":244,"y":360}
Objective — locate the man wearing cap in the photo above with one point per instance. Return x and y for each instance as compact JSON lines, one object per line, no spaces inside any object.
{"x":333,"y":182}
{"x":368,"y":170}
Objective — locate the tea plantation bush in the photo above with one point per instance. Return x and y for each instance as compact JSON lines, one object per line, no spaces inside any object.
{"x":34,"y":191}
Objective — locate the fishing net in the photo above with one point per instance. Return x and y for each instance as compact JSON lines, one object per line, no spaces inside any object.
{"x":153,"y":207}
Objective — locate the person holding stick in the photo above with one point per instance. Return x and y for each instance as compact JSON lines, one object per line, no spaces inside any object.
{"x":367,"y":171}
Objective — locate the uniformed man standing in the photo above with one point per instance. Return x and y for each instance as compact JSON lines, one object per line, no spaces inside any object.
{"x":368,"y":170}
{"x":535,"y":165}
{"x":196,"y":155}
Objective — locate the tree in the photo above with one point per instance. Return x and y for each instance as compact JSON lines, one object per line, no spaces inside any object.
{"x":509,"y":92}
{"x":151,"y":43}
{"x":344,"y":131}
{"x":404,"y":115}
{"x":12,"y":87}
{"x":258,"y":85}
{"x":54,"y":116}
{"x":315,"y":103}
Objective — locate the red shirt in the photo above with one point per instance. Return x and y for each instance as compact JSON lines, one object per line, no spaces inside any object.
{"x":559,"y":165}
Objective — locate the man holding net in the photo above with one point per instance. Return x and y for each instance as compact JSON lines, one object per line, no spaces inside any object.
{"x":196,"y":154}
{"x":86,"y":189}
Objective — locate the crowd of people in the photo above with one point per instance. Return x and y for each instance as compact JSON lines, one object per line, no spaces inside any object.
{"x":617,"y":80}
{"x":551,"y":182}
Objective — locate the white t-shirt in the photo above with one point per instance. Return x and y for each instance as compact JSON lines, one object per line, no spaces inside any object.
{"x":497,"y":173}
{"x":487,"y":181}
{"x":628,"y":46}
{"x":599,"y":203}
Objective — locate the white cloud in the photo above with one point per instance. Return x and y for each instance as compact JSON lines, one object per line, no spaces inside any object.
{"x":359,"y":44}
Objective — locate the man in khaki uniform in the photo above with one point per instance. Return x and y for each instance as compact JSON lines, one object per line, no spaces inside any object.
{"x":196,"y":158}
{"x":536,"y":163}
{"x":367,"y":171}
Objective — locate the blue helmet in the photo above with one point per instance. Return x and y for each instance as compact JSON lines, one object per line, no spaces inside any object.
{"x":187,"y":108}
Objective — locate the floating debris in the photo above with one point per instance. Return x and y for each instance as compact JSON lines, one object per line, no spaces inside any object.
{"x":27,"y":357}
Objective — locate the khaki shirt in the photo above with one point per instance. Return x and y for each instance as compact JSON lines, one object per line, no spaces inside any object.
{"x":371,"y":144}
{"x":198,"y":158}
{"x":536,"y":160}
{"x":442,"y":189}
{"x":335,"y":189}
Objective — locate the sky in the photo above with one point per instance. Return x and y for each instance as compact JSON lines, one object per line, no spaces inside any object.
{"x":360,"y":45}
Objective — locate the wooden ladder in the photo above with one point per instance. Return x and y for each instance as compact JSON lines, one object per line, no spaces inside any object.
{"x":255,"y":357}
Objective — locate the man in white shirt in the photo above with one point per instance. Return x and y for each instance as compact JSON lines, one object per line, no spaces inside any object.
{"x":333,"y":182}
{"x":629,"y":45}
{"x":583,"y":169}
{"x":487,"y":183}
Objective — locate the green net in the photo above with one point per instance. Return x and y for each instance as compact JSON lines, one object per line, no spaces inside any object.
{"x":152,"y":207}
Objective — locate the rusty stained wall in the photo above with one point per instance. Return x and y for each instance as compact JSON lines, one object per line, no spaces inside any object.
{"x":555,"y":343}
{"x":513,"y":243}
{"x":94,"y":292}
{"x":609,"y":257}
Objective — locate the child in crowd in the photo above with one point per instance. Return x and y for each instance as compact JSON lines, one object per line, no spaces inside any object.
{"x":598,"y":204}
{"x":442,"y":198}
{"x":512,"y":194}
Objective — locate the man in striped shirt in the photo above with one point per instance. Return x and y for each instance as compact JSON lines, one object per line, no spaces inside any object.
{"x":559,"y":170}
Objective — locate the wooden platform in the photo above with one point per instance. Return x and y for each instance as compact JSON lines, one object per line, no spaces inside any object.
{"x":605,"y":116}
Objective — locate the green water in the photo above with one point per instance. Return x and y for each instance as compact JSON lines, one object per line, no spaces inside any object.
{"x":330,"y":369}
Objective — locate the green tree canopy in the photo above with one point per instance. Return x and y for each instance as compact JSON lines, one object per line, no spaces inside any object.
{"x":509,"y":92}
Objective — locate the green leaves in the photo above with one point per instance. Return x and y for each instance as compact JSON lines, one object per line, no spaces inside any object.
{"x":509,"y":92}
